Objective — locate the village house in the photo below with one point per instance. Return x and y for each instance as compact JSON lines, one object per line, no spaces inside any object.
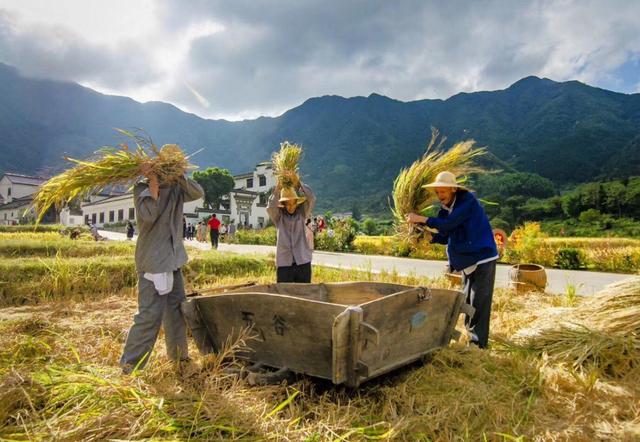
{"x":246,"y":205}
{"x":16,"y":195}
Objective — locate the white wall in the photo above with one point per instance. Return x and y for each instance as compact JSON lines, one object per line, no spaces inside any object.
{"x":17,"y":190}
{"x":12,"y":216}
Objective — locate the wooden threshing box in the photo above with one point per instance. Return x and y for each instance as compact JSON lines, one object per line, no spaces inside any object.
{"x":345,"y":332}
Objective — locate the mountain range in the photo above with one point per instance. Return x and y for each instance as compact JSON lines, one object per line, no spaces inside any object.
{"x":568,"y":132}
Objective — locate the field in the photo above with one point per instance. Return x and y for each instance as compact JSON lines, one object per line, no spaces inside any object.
{"x":67,"y":305}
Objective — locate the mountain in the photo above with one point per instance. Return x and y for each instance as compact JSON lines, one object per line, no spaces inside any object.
{"x":568,"y":132}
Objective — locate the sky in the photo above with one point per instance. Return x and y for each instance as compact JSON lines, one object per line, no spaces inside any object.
{"x":242,"y":59}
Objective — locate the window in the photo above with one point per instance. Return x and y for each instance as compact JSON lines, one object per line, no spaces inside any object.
{"x":86,"y":219}
{"x":132,"y":213}
{"x":261,"y":221}
{"x":101,"y":217}
{"x":8,"y":191}
{"x":120,"y":214}
{"x":262,"y":199}
{"x":263,"y":180}
{"x":112,"y":216}
{"x":93,"y":218}
{"x":249,"y":183}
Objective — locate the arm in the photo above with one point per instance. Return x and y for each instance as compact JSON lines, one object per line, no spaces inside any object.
{"x":439,"y":238}
{"x":146,"y":205}
{"x":272,"y":208}
{"x":190,"y":189}
{"x":310,"y":203}
{"x":461,"y":212}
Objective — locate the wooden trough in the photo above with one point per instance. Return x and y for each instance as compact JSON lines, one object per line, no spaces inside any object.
{"x":345,"y":332}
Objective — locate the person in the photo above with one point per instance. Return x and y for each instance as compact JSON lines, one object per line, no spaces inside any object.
{"x":231,"y":231}
{"x":288,"y":212}
{"x":192,"y":231}
{"x":130,"y":230}
{"x":223,"y":231}
{"x":321,"y":224}
{"x":214,"y":225}
{"x":314,"y":226}
{"x":159,"y":257}
{"x":184,"y":227}
{"x":309,"y":234}
{"x":463,"y":226}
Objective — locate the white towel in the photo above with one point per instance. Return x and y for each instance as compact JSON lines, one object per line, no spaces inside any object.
{"x":163,"y":282}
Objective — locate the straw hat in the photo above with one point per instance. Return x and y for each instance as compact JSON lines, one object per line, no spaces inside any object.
{"x":446,"y":179}
{"x":289,"y":193}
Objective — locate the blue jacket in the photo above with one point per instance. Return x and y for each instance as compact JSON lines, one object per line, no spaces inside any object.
{"x":466,"y":231}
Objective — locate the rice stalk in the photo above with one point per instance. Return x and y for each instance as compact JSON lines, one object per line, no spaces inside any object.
{"x":120,"y":165}
{"x":285,"y":165}
{"x":409,"y":195}
{"x":603,"y":333}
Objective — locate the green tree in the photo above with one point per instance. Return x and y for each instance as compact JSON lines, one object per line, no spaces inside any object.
{"x":370,"y":227}
{"x":216,"y":183}
{"x":355,"y":212}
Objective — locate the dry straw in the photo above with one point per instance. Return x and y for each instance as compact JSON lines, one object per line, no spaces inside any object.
{"x":603,"y":333}
{"x":409,"y":195}
{"x":120,"y":165}
{"x":285,"y":163}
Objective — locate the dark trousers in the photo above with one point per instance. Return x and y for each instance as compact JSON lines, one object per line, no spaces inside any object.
{"x":156,"y":310}
{"x":215,"y":235}
{"x":478,"y":287}
{"x":295,"y":273}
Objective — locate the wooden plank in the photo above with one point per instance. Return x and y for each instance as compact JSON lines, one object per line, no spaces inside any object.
{"x":198,"y":329}
{"x":289,"y":331}
{"x":355,"y":320}
{"x":341,"y":343}
{"x":410,"y":324}
{"x":356,"y":293}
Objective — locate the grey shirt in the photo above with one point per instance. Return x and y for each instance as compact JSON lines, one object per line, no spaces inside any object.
{"x":291,"y":245}
{"x":159,"y":248}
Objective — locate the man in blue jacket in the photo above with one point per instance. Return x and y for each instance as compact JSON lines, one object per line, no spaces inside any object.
{"x":464,"y":227}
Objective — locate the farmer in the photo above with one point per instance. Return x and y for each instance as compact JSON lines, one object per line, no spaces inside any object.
{"x":288,"y":211}
{"x":214,"y":225}
{"x":160,"y":254}
{"x":463,"y":225}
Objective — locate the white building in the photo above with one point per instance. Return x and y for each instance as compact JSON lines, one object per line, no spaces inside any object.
{"x":16,"y":194}
{"x":246,"y":204}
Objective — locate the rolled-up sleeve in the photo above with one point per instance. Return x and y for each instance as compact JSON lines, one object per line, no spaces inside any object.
{"x":191,"y":190}
{"x":146,"y":206}
{"x":272,"y":208}
{"x":310,"y":203}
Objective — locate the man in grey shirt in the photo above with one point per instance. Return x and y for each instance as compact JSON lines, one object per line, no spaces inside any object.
{"x":289,"y":212}
{"x":160,"y":254}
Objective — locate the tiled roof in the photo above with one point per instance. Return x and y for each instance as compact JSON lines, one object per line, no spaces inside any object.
{"x":17,"y":202}
{"x":17,"y":178}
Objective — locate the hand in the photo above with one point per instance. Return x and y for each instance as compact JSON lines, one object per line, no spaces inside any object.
{"x":415,"y":218}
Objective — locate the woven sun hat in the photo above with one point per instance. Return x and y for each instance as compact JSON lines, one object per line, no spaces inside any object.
{"x":446,"y":179}
{"x":288,"y":194}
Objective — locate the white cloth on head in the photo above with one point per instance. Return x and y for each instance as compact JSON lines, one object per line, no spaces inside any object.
{"x":163,"y":282}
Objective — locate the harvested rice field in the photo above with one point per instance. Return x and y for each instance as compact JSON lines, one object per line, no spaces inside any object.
{"x":558,"y":368}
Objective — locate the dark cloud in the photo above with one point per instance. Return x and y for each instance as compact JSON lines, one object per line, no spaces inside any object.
{"x":54,"y":52}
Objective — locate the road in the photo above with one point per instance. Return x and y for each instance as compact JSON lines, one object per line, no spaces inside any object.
{"x":586,"y":283}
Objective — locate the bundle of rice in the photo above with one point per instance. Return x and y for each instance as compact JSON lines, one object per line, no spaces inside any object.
{"x":285,"y":164}
{"x":604,"y":332}
{"x":112,"y":166}
{"x":409,"y":195}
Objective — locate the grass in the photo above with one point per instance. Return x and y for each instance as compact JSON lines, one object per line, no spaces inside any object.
{"x":59,"y":376}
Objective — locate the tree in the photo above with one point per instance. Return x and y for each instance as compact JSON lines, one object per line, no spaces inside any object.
{"x":370,"y":227}
{"x":216,"y":183}
{"x":355,"y":212}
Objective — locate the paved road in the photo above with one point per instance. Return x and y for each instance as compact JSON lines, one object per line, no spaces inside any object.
{"x":586,"y":283}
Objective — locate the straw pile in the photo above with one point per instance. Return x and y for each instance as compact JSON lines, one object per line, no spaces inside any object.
{"x":603,"y":333}
{"x":112,"y":166}
{"x":285,"y":163}
{"x":409,"y":196}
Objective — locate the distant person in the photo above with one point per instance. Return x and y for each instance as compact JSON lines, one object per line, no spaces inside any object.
{"x":471,"y":247}
{"x":314,"y":226}
{"x":309,"y":234}
{"x":223,"y":232}
{"x":214,"y":225}
{"x":231,"y":231}
{"x":184,"y":227}
{"x":159,"y":260}
{"x":288,"y":212}
{"x":130,"y":230}
{"x":321,"y":224}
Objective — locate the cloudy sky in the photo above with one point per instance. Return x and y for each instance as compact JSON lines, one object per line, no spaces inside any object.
{"x":244,"y":58}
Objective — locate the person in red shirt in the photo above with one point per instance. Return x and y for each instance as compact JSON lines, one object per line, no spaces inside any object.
{"x":214,"y":225}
